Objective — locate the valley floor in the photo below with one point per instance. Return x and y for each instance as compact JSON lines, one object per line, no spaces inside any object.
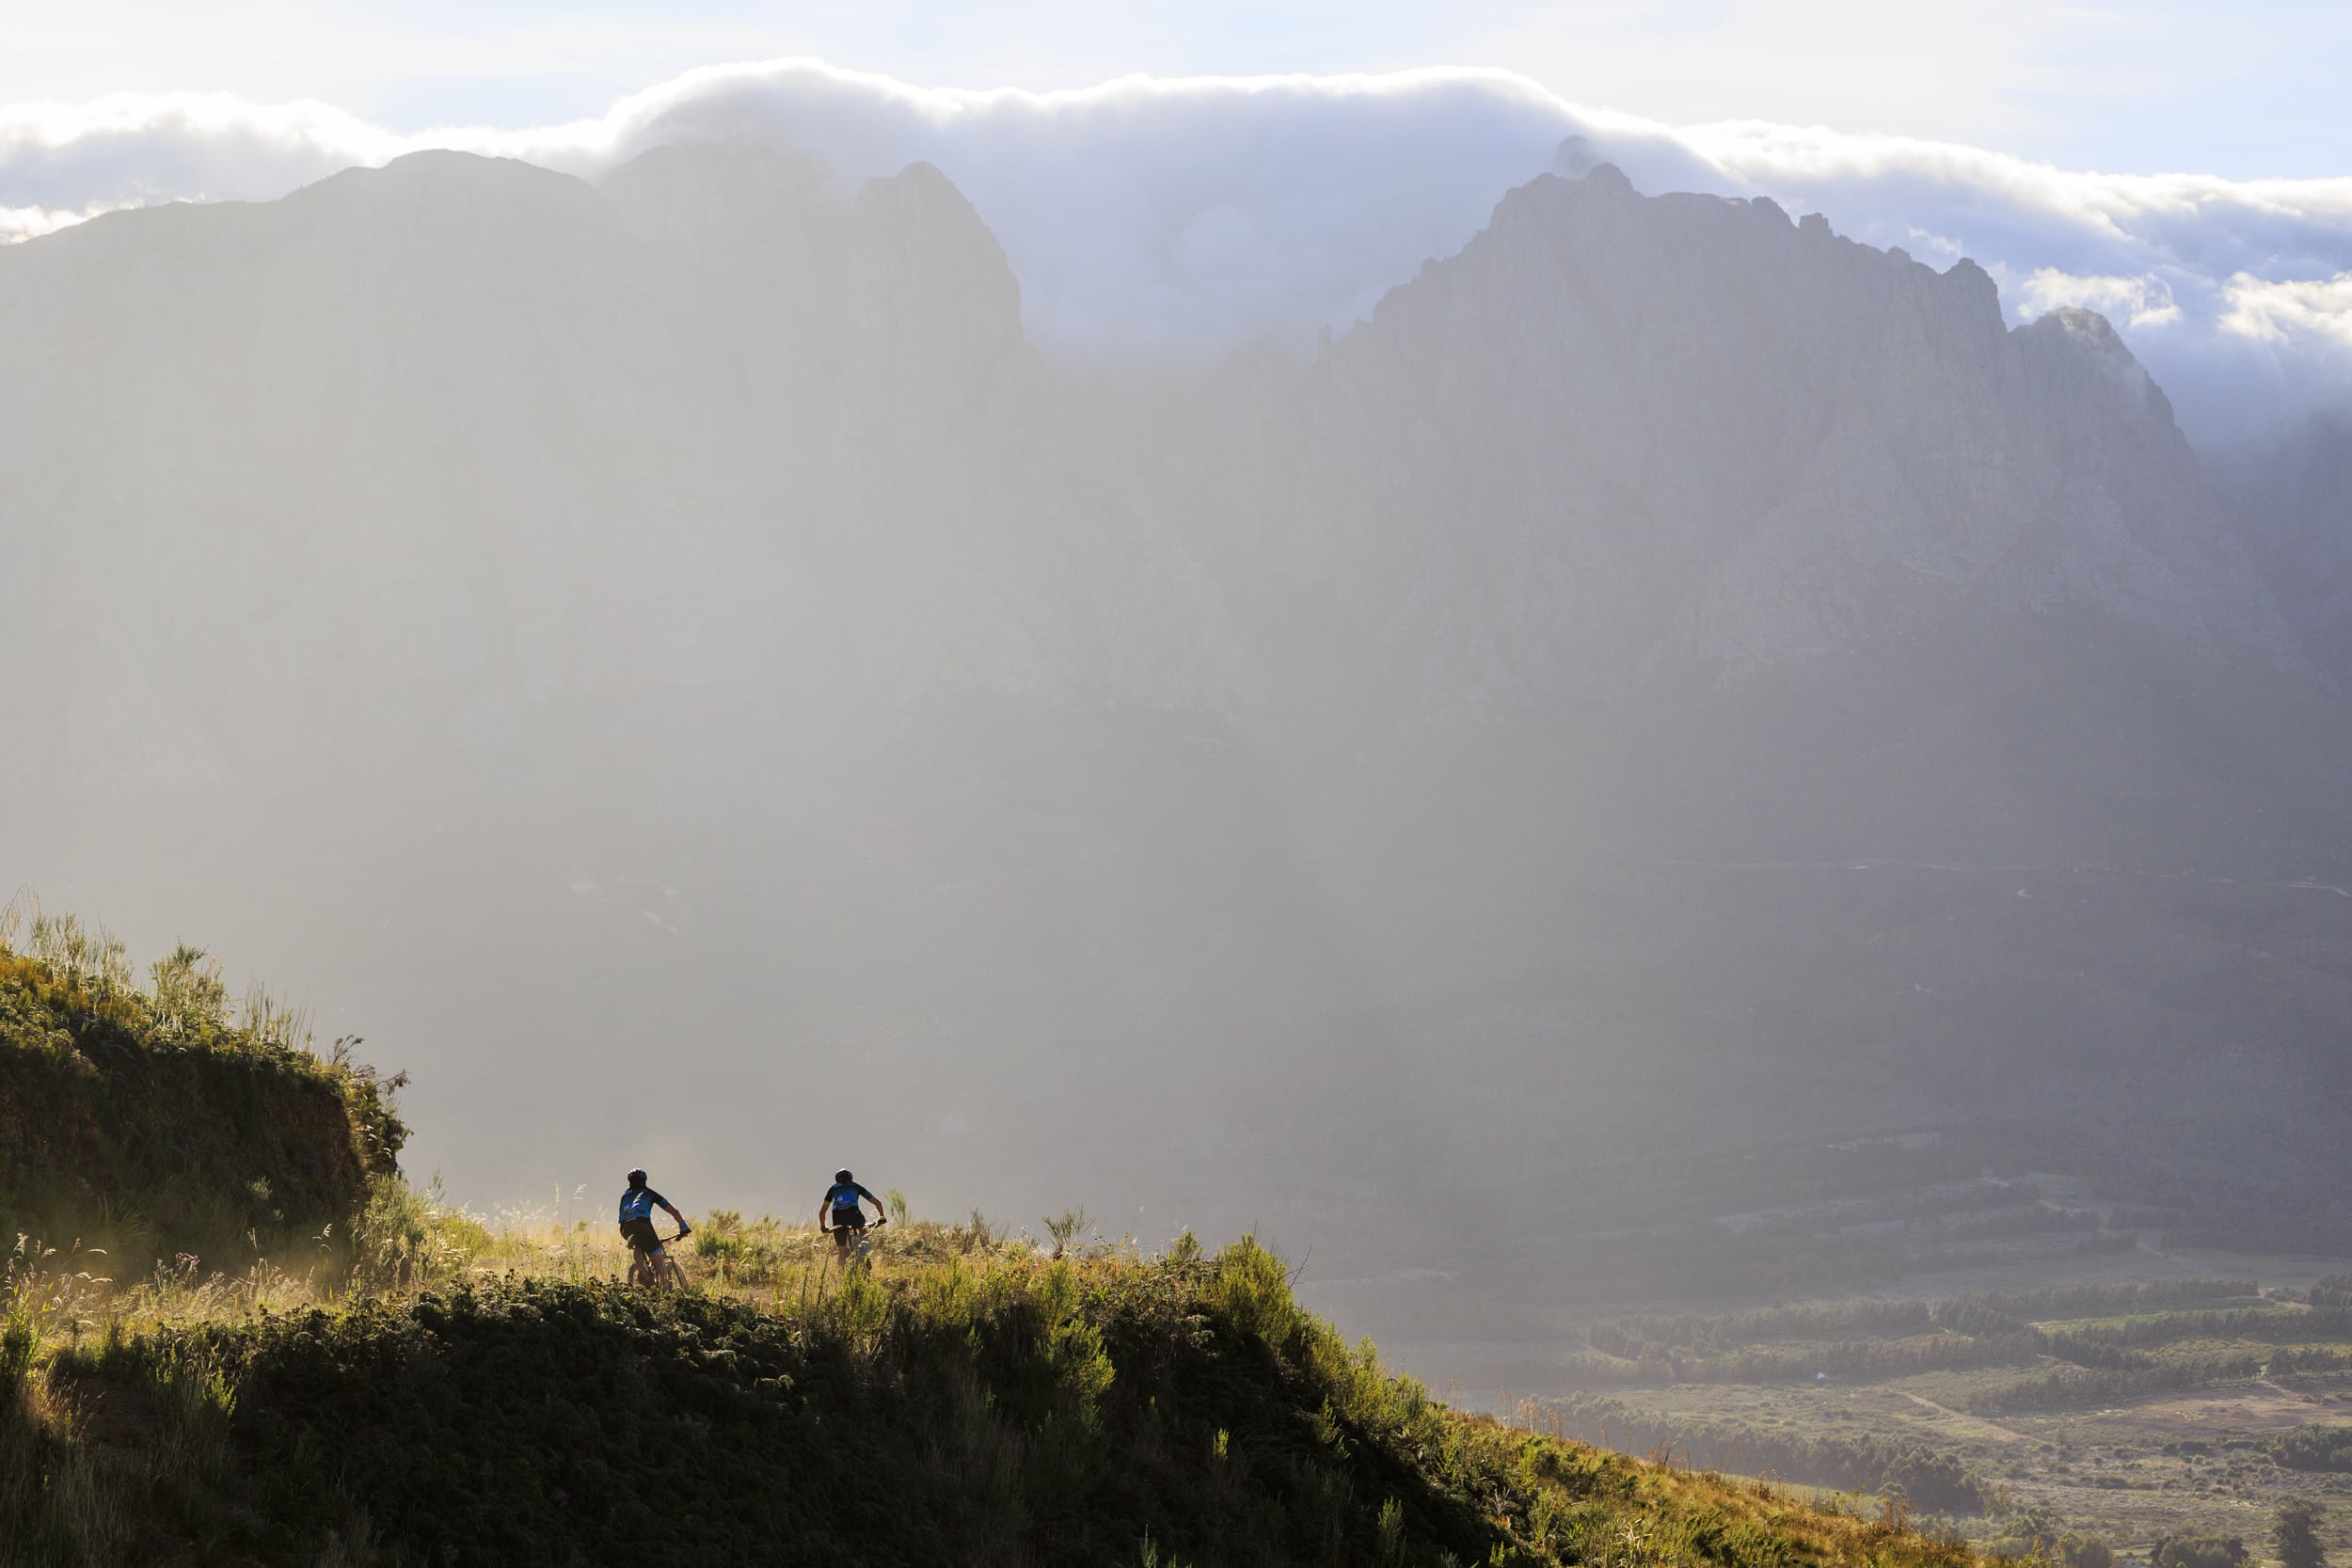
{"x":2011,"y":1352}
{"x":2132,"y":1409}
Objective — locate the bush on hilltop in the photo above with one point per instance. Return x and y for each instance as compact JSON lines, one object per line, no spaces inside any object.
{"x":165,"y":1118}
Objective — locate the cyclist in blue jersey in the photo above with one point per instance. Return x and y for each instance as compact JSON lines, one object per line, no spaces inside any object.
{"x":637,"y":1207}
{"x":840,"y":1206}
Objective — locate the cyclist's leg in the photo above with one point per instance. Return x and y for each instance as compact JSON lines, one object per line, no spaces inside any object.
{"x":639,"y":1234}
{"x":844,"y":1238}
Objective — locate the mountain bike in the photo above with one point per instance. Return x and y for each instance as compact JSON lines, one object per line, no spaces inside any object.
{"x":659,"y":1270}
{"x":859,"y":1254}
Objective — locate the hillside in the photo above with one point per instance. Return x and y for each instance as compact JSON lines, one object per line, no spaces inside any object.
{"x":163,"y":1119}
{"x":983,"y":1407}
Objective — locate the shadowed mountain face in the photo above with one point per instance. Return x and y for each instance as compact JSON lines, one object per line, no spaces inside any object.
{"x":670,"y":663}
{"x":2294,"y":505}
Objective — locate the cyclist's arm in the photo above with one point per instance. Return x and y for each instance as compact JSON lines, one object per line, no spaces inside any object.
{"x":674,"y":1214}
{"x":822,"y":1206}
{"x":880,"y":1212}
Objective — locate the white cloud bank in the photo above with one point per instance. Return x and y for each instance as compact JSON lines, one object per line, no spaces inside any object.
{"x":1162,"y":217}
{"x":2143,"y":302}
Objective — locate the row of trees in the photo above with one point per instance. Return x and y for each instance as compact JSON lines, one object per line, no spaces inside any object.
{"x":1944,"y":1350}
{"x":2265,"y":1325}
{"x":2062,"y":1386}
{"x":1989,"y":1314}
{"x":2038,"y":1535}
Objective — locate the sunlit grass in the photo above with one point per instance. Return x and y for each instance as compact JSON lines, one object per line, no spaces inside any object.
{"x":1184,"y":1391}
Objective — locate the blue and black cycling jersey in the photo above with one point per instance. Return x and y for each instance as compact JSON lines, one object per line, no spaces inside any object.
{"x":842,"y":1199}
{"x":639,"y":1203}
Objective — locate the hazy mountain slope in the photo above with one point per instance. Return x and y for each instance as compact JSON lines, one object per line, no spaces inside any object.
{"x":455,"y":435}
{"x":670,"y":656}
{"x":1618,"y":434}
{"x":2293,"y":505}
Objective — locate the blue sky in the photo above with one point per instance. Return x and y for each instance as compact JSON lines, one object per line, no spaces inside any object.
{"x":2244,"y":90}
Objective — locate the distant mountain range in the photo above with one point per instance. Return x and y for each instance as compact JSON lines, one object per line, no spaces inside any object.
{"x":1672,"y":670}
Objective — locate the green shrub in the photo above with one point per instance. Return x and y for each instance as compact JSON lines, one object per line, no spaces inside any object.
{"x":194,"y":1403}
{"x":2294,"y":1534}
{"x":1250,"y":1288}
{"x":406,"y":1238}
{"x":2198,"y":1551}
{"x":2314,"y":1447}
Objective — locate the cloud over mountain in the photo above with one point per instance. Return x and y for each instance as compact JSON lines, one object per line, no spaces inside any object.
{"x":1181,"y":217}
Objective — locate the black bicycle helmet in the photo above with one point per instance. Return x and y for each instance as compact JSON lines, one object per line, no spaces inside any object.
{"x":637,"y":1178}
{"x":843,"y":1176}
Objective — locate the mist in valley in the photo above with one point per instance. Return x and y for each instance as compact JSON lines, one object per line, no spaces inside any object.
{"x":691,"y":670}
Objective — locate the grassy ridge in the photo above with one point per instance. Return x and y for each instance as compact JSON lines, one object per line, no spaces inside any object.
{"x":1004,"y":1408}
{"x":165,"y":1118}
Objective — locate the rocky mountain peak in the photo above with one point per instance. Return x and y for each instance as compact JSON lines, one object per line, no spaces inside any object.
{"x":1718,"y":437}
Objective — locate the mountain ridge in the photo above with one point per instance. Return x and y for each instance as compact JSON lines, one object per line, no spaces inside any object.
{"x":922,"y":371}
{"x":1763,"y":596}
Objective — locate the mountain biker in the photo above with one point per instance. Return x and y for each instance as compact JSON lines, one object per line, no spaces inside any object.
{"x":637,"y":1207}
{"x":840,"y":1203}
